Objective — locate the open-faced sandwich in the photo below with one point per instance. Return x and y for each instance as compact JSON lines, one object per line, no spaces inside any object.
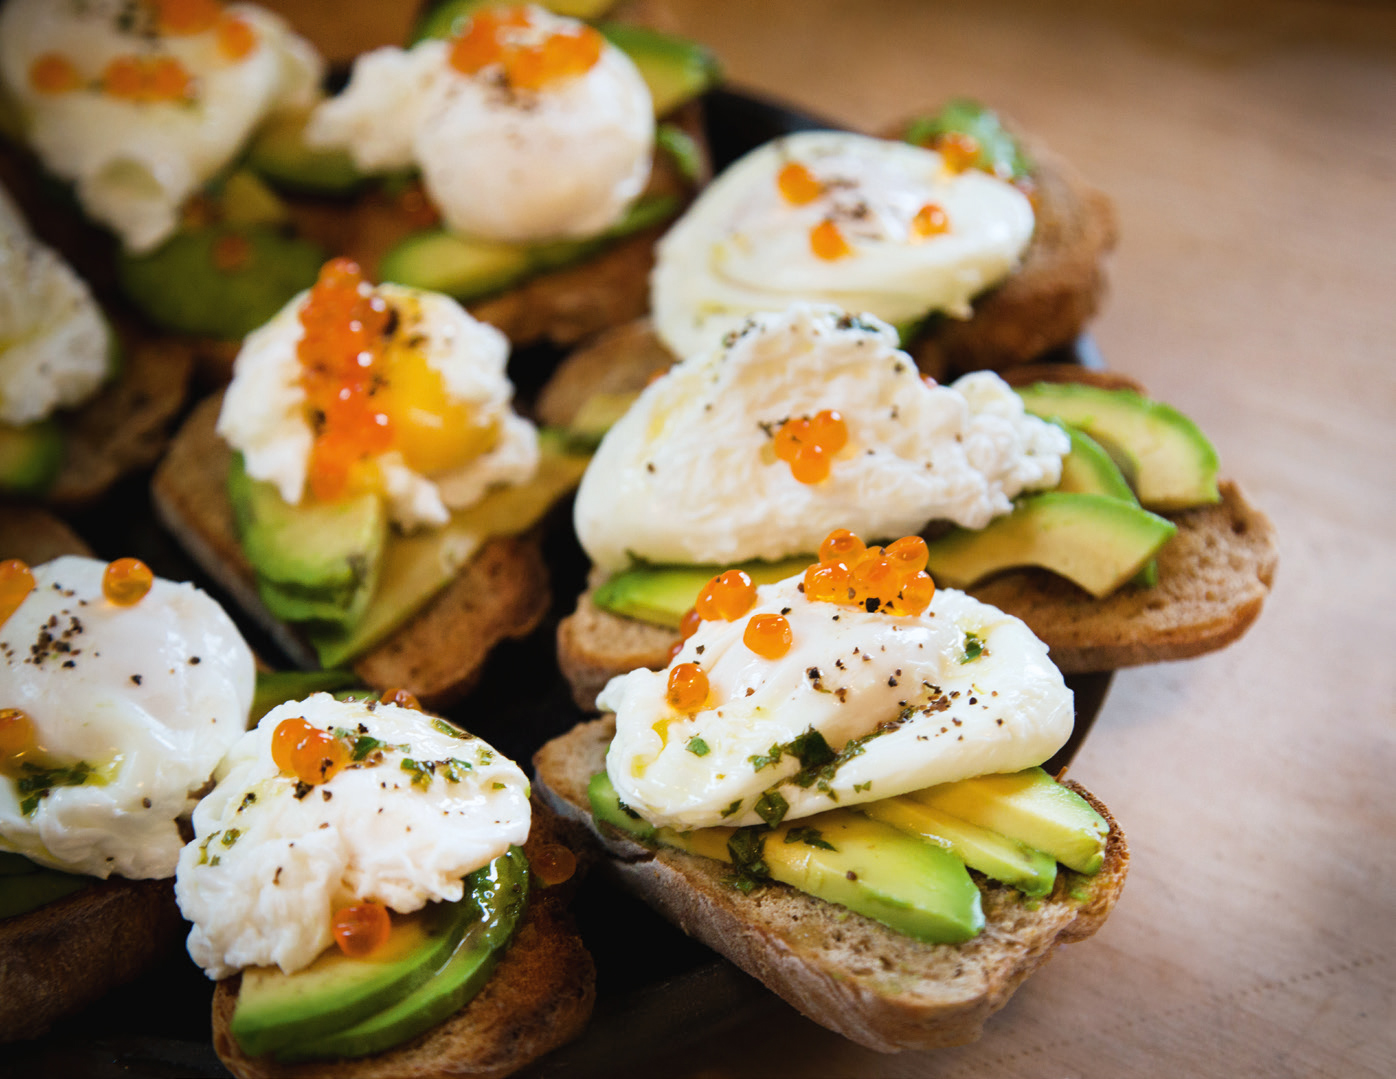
{"x":834,"y":783}
{"x":377,"y":897}
{"x":365,"y":489}
{"x":119,"y":694}
{"x":743,"y":457}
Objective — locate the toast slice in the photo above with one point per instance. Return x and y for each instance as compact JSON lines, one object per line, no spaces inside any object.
{"x":35,"y":536}
{"x":1213,"y":575}
{"x":539,"y":997}
{"x":501,"y":593}
{"x":842,"y":970}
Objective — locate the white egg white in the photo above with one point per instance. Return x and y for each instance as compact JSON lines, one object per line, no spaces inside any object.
{"x":742,"y":247}
{"x":150,"y":696}
{"x":268,"y":866}
{"x":930,"y":703}
{"x":689,"y":474}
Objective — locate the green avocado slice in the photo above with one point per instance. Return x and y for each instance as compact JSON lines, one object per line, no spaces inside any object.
{"x":279,"y":154}
{"x":30,"y":457}
{"x":26,"y":885}
{"x":662,"y":595}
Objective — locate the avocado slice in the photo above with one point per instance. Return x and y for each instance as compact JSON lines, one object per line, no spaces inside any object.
{"x":414,"y":568}
{"x":1030,"y":871}
{"x":1166,"y":457}
{"x":278,"y":687}
{"x":912,"y":886}
{"x":999,"y":152}
{"x":500,"y":893}
{"x":1096,"y":541}
{"x":280,"y":155}
{"x":219,"y":281}
{"x":1031,"y":807}
{"x":26,"y":885}
{"x":468,"y":268}
{"x":662,"y":595}
{"x":30,"y":457}
{"x":1089,"y":469}
{"x":317,"y":561}
{"x":277,"y":1011}
{"x":245,"y":199}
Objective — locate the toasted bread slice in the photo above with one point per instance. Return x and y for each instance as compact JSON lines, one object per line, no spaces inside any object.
{"x":539,"y":997}
{"x":847,"y":972}
{"x":34,"y":535}
{"x":438,"y":655}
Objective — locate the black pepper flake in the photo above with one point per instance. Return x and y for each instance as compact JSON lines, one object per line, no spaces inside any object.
{"x":70,"y":663}
{"x":276,"y":879}
{"x":194,"y":661}
{"x":957,"y":722}
{"x":750,"y":690}
{"x":145,"y":802}
{"x":136,"y":679}
{"x":700,"y":649}
{"x":892,"y":681}
{"x":870,"y":604}
{"x":974,"y":700}
{"x":302,"y":789}
{"x":851,"y":875}
{"x":999,"y":722}
{"x":785,"y":610}
{"x":326,"y":795}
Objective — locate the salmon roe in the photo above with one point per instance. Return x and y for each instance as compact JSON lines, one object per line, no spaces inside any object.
{"x":893,"y":581}
{"x":147,"y":79}
{"x":126,"y":581}
{"x":54,"y":73}
{"x":530,"y":62}
{"x":809,"y":444}
{"x":958,"y":150}
{"x":727,"y":596}
{"x":553,"y":864}
{"x":16,"y":734}
{"x":798,"y":185}
{"x":236,"y":38}
{"x":305,"y":751}
{"x":16,"y":582}
{"x":402,"y":698}
{"x":827,"y":242}
{"x":362,"y":929}
{"x":182,"y":17}
{"x":768,"y":635}
{"x":688,"y":687}
{"x":929,"y":221}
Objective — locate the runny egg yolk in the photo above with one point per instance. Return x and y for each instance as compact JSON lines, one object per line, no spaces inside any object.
{"x":369,"y":390}
{"x":530,"y":61}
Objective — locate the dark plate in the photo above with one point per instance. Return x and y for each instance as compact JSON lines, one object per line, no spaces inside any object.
{"x":656,"y":988}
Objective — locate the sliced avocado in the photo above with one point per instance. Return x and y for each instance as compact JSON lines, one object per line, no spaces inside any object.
{"x":675,"y":69}
{"x":662,"y":595}
{"x":26,"y":886}
{"x":246,"y":200}
{"x":468,"y":268}
{"x":1030,"y":871}
{"x":499,"y":892}
{"x":276,"y":1011}
{"x":279,"y":153}
{"x":414,"y":568}
{"x":1096,"y":541}
{"x":606,"y":806}
{"x":999,"y":152}
{"x":683,"y":150}
{"x":1166,"y":458}
{"x":30,"y":457}
{"x":318,"y":561}
{"x":278,"y":687}
{"x":219,"y":281}
{"x":598,"y":414}
{"x":914,"y":887}
{"x":1031,"y":807}
{"x":1089,"y":469}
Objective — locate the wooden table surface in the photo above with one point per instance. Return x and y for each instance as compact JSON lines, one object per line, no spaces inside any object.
{"x":1251,"y":152}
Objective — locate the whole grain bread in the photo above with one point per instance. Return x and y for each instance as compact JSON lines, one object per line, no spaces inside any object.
{"x":539,"y":997}
{"x":501,"y":593}
{"x":1214,"y":574}
{"x":34,"y":535}
{"x":847,"y":972}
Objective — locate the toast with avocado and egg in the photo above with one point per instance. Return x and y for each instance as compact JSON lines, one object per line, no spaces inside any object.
{"x":379,"y":515}
{"x":981,"y":254}
{"x":409,"y":914}
{"x":1145,"y":586}
{"x":809,"y":785}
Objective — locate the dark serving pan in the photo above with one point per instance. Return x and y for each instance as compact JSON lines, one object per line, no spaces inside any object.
{"x":656,"y":988}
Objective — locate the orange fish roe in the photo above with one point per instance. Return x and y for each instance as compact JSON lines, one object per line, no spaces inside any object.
{"x":958,"y":150}
{"x":237,"y":38}
{"x":16,"y":734}
{"x":183,"y":17}
{"x":798,"y":185}
{"x":147,"y":79}
{"x":340,"y":354}
{"x":16,"y":582}
{"x":231,"y":252}
{"x":893,"y":581}
{"x":688,"y":687}
{"x":362,"y":929}
{"x":553,"y":864}
{"x":929,"y":221}
{"x":727,"y":596}
{"x":768,"y":635}
{"x":124,"y":78}
{"x":827,"y":242}
{"x":305,"y":751}
{"x":126,"y":581}
{"x":808,"y":444}
{"x":530,"y":63}
{"x":402,"y":698}
{"x":54,"y":73}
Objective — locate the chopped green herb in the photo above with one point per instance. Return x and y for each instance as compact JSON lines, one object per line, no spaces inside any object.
{"x":811,"y":749}
{"x":745,"y":847}
{"x":453,"y":768}
{"x":810,"y":837}
{"x":697,"y":747}
{"x":35,"y":782}
{"x":498,"y":786}
{"x":974,"y":648}
{"x":360,"y":745}
{"x":449,"y":729}
{"x":771,"y":756}
{"x":421,"y":773}
{"x":733,"y":808}
{"x":230,"y":837}
{"x":860,"y":787}
{"x":772,"y":807}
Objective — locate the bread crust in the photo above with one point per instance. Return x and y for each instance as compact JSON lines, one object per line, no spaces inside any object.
{"x":539,"y":997}
{"x":59,"y":958}
{"x":34,"y":536}
{"x":438,"y":655}
{"x":842,"y":970}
